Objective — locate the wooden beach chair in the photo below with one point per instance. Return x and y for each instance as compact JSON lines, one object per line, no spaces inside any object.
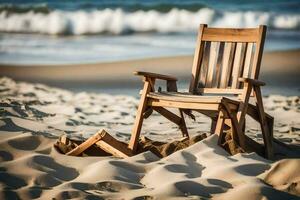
{"x":224,"y":79}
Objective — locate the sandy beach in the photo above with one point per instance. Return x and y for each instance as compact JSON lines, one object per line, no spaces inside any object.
{"x":34,"y":115}
{"x":77,"y":123}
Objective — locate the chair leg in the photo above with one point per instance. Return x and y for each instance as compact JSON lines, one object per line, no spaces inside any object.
{"x":237,"y":133}
{"x":139,"y":118}
{"x":182,"y":125}
{"x":213,"y":125}
{"x":219,"y":126}
{"x":266,"y":132}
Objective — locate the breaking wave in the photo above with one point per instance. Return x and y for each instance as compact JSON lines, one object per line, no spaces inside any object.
{"x":118,"y":21}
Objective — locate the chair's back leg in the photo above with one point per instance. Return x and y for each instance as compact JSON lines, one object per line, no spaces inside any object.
{"x":266,"y":132}
{"x":182,"y":125}
{"x":139,"y":118}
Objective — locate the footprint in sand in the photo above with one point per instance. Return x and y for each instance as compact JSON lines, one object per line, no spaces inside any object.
{"x":193,"y":188}
{"x":105,"y":186}
{"x":28,"y":143}
{"x":5,"y":156}
{"x":55,"y":173}
{"x":10,"y":181}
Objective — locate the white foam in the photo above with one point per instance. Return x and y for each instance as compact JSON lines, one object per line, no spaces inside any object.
{"x":117,"y":21}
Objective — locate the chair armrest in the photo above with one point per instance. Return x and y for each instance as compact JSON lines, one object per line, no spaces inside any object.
{"x":254,"y":82}
{"x":154,"y":75}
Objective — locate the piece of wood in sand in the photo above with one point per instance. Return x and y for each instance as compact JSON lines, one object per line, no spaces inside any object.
{"x":86,"y":144}
{"x":110,"y":145}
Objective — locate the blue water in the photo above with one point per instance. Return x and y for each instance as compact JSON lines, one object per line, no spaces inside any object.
{"x":56,"y":32}
{"x":281,"y":6}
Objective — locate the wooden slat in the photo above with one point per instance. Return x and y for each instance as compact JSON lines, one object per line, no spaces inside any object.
{"x":106,"y":142}
{"x":184,"y":105}
{"x":252,"y":111}
{"x":197,"y":59}
{"x":242,"y":62}
{"x":227,"y":62}
{"x":258,"y":52}
{"x":185,"y":98}
{"x":220,"y":91}
{"x":147,"y":113}
{"x":216,"y":80}
{"x":248,"y":59}
{"x":213,"y":55}
{"x":174,"y":118}
{"x":155,"y":75}
{"x":204,"y":65}
{"x":86,"y":144}
{"x":209,"y":113}
{"x":236,"y":65}
{"x":168,"y":114}
{"x":113,"y":146}
{"x":230,"y":35}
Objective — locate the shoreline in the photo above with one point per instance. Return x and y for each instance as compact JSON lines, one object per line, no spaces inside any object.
{"x":279,"y":69}
{"x":169,"y":64}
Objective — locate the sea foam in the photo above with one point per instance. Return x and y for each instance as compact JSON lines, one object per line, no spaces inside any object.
{"x":117,"y":21}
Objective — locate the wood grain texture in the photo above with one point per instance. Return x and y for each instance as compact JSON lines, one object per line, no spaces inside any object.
{"x":236,"y":65}
{"x":248,"y":60}
{"x":213,"y":56}
{"x":227,"y":62}
{"x":258,"y":52}
{"x":139,"y":118}
{"x":230,"y":35}
{"x":197,"y":59}
{"x":204,"y":66}
{"x":155,"y":75}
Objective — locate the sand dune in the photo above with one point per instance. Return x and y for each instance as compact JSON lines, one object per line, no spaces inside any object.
{"x":203,"y":170}
{"x":33,"y":115}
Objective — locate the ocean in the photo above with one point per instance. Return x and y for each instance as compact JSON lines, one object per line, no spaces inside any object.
{"x":65,"y":32}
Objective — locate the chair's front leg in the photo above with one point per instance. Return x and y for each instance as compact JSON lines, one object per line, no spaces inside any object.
{"x":182,"y":126}
{"x":237,"y":134}
{"x":244,"y":98}
{"x":139,"y":118}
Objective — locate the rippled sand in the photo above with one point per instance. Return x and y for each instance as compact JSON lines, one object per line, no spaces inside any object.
{"x":34,"y":115}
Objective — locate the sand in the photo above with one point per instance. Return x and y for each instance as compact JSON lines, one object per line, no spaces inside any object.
{"x":34,"y":115}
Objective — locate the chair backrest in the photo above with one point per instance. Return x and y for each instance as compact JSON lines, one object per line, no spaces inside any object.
{"x":223,"y":55}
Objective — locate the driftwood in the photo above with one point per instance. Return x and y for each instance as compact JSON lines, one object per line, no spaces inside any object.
{"x":88,"y":148}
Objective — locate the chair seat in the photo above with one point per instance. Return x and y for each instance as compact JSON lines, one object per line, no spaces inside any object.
{"x":191,"y":98}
